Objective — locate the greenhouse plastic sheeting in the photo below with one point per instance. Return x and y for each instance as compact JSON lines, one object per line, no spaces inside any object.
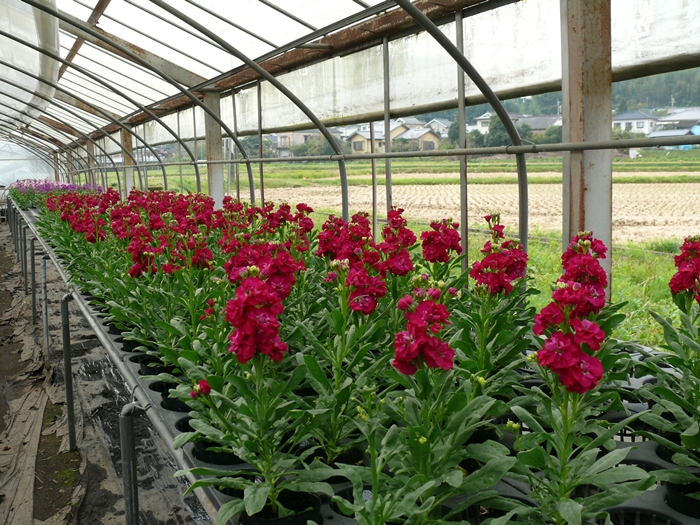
{"x":40,"y":30}
{"x":17,"y":163}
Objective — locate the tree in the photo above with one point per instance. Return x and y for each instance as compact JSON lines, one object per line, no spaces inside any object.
{"x":621,"y":105}
{"x":475,"y":139}
{"x":497,"y":136}
{"x":318,"y":145}
{"x":552,"y":135}
{"x":453,"y":133}
{"x":525,"y":132}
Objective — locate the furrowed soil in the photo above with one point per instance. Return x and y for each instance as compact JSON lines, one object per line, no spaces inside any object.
{"x":639,"y":211}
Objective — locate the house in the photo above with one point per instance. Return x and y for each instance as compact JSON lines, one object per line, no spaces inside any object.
{"x":669,"y":133}
{"x":411,"y":122}
{"x":440,"y":126}
{"x":538,"y":125}
{"x":359,"y":140}
{"x":684,"y":119}
{"x":286,"y":140}
{"x":420,"y":138}
{"x":635,"y":122}
{"x":482,"y":122}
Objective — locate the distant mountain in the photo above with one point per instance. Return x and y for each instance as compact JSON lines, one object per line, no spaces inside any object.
{"x":641,"y":93}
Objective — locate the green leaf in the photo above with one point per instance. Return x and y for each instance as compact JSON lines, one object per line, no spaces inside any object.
{"x":255,"y":497}
{"x":454,"y":478}
{"x":488,"y":475}
{"x":677,"y":476}
{"x":534,"y":458}
{"x":691,"y":436}
{"x":228,"y":510}
{"x":182,"y":438}
{"x":527,"y":418}
{"x":322,"y":384}
{"x":570,"y":511}
{"x":390,"y":442}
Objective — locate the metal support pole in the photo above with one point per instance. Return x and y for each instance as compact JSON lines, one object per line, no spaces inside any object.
{"x":33,"y":272}
{"x":25,"y":230}
{"x":387,"y":123}
{"x":462,"y":122}
{"x":128,"y":449}
{"x":67,"y":370}
{"x":260,"y":146}
{"x":375,"y":227}
{"x":45,"y":309}
{"x":587,"y":116}
{"x":18,"y":233}
{"x":214,"y":149}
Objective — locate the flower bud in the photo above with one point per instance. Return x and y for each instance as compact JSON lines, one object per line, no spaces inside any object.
{"x":513,"y":427}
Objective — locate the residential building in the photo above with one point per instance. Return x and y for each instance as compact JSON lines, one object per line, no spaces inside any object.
{"x":421,"y":138}
{"x":482,"y":122}
{"x":637,"y":121}
{"x":411,"y":122}
{"x":684,"y":119}
{"x":440,"y":126}
{"x":538,"y":125}
{"x":286,"y":140}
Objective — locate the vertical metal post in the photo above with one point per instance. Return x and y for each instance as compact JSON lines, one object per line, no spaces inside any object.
{"x":214,"y":147}
{"x":387,"y":123}
{"x":91,"y":164}
{"x":229,"y":172}
{"x":375,"y":228}
{"x":198,"y":182}
{"x":587,"y":116}
{"x":127,"y":152}
{"x":45,"y":309}
{"x":238,"y":172}
{"x":18,"y":234}
{"x":57,"y":175}
{"x":68,"y":371}
{"x":25,"y":271}
{"x":462,"y":123}
{"x":33,"y":272}
{"x":129,"y":474}
{"x":70,"y":164}
{"x":260,"y":145}
{"x":179,"y":153}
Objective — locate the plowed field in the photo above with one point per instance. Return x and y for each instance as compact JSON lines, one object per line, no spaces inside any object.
{"x":640,"y":211}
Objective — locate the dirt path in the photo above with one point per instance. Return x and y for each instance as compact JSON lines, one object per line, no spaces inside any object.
{"x":640,"y":211}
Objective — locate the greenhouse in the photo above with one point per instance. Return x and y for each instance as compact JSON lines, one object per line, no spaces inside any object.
{"x":230,"y":295}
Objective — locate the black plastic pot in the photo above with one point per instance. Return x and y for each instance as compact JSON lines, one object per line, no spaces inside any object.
{"x":129,"y":345}
{"x":678,"y":499}
{"x":168,"y":403}
{"x":152,"y":366}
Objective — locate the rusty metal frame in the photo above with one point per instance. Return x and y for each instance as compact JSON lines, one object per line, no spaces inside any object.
{"x":144,"y":63}
{"x":278,"y":85}
{"x":60,"y":121}
{"x":492,"y":98}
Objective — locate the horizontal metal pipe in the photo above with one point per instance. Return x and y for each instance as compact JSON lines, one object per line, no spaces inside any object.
{"x":500,"y":150}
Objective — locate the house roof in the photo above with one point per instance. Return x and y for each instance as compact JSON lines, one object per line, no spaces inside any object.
{"x":513,"y":116}
{"x":411,"y":121}
{"x":669,"y":133}
{"x":539,"y":123}
{"x":634,"y":115}
{"x":442,"y":121}
{"x":416,"y":133}
{"x":687,"y":115}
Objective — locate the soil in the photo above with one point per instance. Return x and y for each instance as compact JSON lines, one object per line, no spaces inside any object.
{"x":640,"y":212}
{"x":56,"y":474}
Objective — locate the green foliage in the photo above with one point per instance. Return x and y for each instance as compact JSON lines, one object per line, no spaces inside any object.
{"x":497,"y":135}
{"x":552,"y":135}
{"x":318,"y":145}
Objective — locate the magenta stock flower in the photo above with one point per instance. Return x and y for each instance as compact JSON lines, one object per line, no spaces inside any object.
{"x":579,"y":293}
{"x":201,"y":388}
{"x":687,"y":279}
{"x":438,"y":244}
{"x":503,"y":263}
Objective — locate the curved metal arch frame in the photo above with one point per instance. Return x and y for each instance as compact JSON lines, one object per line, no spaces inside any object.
{"x":277,"y":84}
{"x":40,"y":151}
{"x":102,"y":113}
{"x":118,"y":92}
{"x":491,"y":97}
{"x":70,"y":112}
{"x":165,"y":77}
{"x":37,"y":120}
